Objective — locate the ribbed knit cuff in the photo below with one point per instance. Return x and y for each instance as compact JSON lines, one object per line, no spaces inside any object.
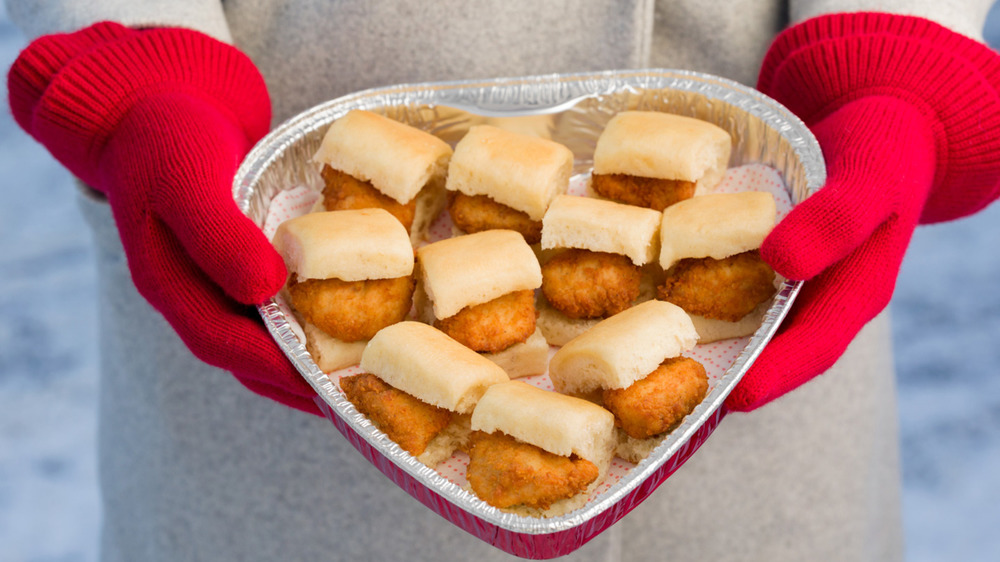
{"x":32,"y":72}
{"x":818,"y":66}
{"x":85,"y":99}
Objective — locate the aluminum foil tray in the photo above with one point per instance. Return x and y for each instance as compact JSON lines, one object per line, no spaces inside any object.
{"x":571,"y":109}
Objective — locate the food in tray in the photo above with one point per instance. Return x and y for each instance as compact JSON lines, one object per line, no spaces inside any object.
{"x":627,"y":281}
{"x":654,"y":159}
{"x":504,"y":179}
{"x":419,"y":387}
{"x":632,"y":364}
{"x":536,"y":452}
{"x":369,"y":160}
{"x":713,"y":270}
{"x":593,"y":253}
{"x":480,"y":290}
{"x":350,"y":275}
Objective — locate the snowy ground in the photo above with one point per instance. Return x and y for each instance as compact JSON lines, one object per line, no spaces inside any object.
{"x":947,"y":335}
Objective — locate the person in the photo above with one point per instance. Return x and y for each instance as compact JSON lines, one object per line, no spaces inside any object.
{"x":205,"y":452}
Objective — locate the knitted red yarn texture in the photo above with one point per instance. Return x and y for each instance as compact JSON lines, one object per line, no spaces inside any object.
{"x":823,"y":63}
{"x":880,"y":203}
{"x":159,"y":120}
{"x":907,"y":114}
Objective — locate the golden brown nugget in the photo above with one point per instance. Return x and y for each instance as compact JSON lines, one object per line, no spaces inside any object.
{"x":493,"y":325}
{"x":476,"y":213}
{"x":405,"y":419}
{"x":584,"y":284}
{"x":505,"y":472}
{"x":726,"y":289}
{"x":352,"y":310}
{"x":660,"y":401}
{"x":344,"y":191}
{"x":652,"y":193}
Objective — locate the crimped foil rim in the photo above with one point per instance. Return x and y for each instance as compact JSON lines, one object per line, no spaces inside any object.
{"x":554,"y":93}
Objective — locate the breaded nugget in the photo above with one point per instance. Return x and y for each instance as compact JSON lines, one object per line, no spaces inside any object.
{"x":658,"y":403}
{"x":726,"y":289}
{"x":343,"y":191}
{"x":493,"y":325}
{"x":476,"y":213}
{"x":584,"y":284}
{"x":405,"y":419}
{"x":505,"y":472}
{"x":352,"y":310}
{"x":652,"y":193}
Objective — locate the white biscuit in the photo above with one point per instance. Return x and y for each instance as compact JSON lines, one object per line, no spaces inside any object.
{"x":424,"y":362}
{"x":602,"y":226}
{"x":560,"y":424}
{"x":665,"y":146}
{"x":623,"y":348}
{"x":396,"y":158}
{"x":352,"y":245}
{"x":521,"y":171}
{"x":476,"y":268}
{"x":717,"y":225}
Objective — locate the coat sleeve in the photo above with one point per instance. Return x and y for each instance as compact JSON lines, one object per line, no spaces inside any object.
{"x":961,"y":16}
{"x":57,"y":16}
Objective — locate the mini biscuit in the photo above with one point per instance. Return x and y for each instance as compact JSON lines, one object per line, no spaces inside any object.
{"x":602,"y":226}
{"x":329,"y":353}
{"x":665,"y":146}
{"x":712,"y":329}
{"x":716,"y":225}
{"x":350,"y":245}
{"x":521,"y":171}
{"x":622,"y":349}
{"x":476,"y":268}
{"x":560,"y":424}
{"x":396,"y":158}
{"x":424,"y":362}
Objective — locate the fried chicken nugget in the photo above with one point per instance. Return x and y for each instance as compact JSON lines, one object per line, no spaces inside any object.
{"x":404,"y":418}
{"x":344,"y":191}
{"x":584,"y":284}
{"x":352,"y":310}
{"x":658,"y":403}
{"x":652,"y":193}
{"x":476,"y":213}
{"x":493,"y":325}
{"x":726,"y":289}
{"x":505,"y":472}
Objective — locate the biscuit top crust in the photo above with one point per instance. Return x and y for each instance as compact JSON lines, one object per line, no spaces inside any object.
{"x":623,"y":348}
{"x":716,"y":225}
{"x":424,"y":362}
{"x":350,"y":245}
{"x":560,"y":424}
{"x":476,"y":268}
{"x":398,"y":159}
{"x":660,"y":145}
{"x":521,"y":171}
{"x":599,"y":225}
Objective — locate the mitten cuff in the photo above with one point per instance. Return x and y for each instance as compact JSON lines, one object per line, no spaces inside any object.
{"x":818,"y":66}
{"x":37,"y":65}
{"x":74,"y":109}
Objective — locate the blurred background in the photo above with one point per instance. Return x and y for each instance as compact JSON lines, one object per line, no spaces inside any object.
{"x":946,"y":316}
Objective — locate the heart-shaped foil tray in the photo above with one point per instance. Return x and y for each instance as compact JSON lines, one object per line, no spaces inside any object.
{"x":572,"y":110}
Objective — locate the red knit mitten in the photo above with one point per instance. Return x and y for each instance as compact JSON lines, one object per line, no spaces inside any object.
{"x":908,"y":116}
{"x":159,"y":120}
